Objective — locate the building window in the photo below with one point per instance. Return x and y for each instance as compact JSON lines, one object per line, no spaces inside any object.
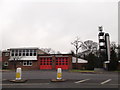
{"x":5,"y":63}
{"x":27,"y":63}
{"x":12,"y":54}
{"x":23,"y":54}
{"x":35,"y":54}
{"x":16,"y":54}
{"x":27,"y":54}
{"x":20,"y":54}
{"x":30,"y":54}
{"x":6,"y":54}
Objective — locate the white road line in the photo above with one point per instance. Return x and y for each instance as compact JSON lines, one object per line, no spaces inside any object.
{"x":82,"y":80}
{"x":26,"y":84}
{"x":2,"y":80}
{"x":106,"y":81}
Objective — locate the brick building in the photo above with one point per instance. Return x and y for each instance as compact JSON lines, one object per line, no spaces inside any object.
{"x":54,"y":61}
{"x":21,"y":57}
{"x":36,"y":59}
{"x":82,"y":64}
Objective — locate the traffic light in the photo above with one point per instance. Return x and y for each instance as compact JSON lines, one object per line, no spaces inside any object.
{"x":104,"y":42}
{"x":101,"y":37}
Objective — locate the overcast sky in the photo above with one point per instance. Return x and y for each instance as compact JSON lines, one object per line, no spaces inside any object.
{"x":54,"y":23}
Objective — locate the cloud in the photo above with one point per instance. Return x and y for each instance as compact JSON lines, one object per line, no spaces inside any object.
{"x":55,"y":25}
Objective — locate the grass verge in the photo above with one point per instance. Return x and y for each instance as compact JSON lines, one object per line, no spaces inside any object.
{"x":89,"y":71}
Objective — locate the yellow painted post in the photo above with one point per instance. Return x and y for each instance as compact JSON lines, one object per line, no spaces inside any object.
{"x":18,"y":74}
{"x":59,"y":73}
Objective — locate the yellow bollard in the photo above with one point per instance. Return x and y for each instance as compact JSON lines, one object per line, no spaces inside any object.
{"x":18,"y":77}
{"x":59,"y":73}
{"x":59,"y":76}
{"x":18,"y":74}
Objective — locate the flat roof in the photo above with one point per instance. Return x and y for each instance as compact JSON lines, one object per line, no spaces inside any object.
{"x":52,"y":54}
{"x":25,"y":48}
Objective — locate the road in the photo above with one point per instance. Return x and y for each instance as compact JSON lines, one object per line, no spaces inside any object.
{"x":42,"y":79}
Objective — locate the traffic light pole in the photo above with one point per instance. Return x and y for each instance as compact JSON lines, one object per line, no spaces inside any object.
{"x":104,"y":48}
{"x":107,"y":40}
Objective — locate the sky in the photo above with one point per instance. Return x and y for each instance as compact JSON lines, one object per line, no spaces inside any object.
{"x":55,"y":23}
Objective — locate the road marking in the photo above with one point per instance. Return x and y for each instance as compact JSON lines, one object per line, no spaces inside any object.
{"x":2,"y":80}
{"x":106,"y":81}
{"x":26,"y":84}
{"x":82,"y":81}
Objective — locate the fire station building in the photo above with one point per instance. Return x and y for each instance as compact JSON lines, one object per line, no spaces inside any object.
{"x":36,"y":59}
{"x":54,"y":61}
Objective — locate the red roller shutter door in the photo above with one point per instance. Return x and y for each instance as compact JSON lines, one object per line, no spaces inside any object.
{"x":62,"y":62}
{"x":45,"y":63}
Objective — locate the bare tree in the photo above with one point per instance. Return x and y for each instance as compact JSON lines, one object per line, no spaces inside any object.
{"x":72,"y":52}
{"x":48,"y":50}
{"x":15,"y":59}
{"x":113,"y":45}
{"x":58,"y":52}
{"x":77,"y":44}
{"x":90,"y":46}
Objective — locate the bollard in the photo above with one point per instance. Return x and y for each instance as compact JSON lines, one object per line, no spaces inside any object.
{"x":59,"y":73}
{"x":18,"y":77}
{"x":59,"y":76}
{"x":18,"y":74}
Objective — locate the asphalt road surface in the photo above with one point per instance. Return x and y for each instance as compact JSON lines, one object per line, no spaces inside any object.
{"x":42,"y":79}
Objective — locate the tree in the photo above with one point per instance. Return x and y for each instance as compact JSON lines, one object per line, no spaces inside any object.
{"x":90,"y":53}
{"x":113,"y":62}
{"x":113,"y":45}
{"x":58,"y":52}
{"x":77,"y":44}
{"x":15,"y":59}
{"x":90,"y":46}
{"x":114,"y":56}
{"x":48,"y":50}
{"x":91,"y":61}
{"x":72,"y":52}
